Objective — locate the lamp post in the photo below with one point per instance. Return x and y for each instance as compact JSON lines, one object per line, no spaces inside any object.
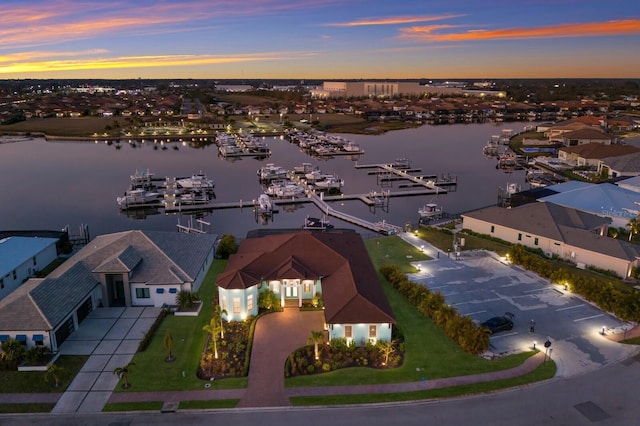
{"x":547,"y":345}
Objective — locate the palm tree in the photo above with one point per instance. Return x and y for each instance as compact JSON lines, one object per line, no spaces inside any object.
{"x":12,"y":352}
{"x":168,"y":344}
{"x":123,"y":374}
{"x":316,"y":338}
{"x":222,"y":313}
{"x":53,"y":372}
{"x":386,"y":349}
{"x":213,"y":328}
{"x":634,"y":226}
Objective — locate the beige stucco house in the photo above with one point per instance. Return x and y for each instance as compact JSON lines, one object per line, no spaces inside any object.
{"x":570,"y":234}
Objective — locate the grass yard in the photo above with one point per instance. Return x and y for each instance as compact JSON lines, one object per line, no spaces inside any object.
{"x":543,"y":372}
{"x":395,"y":251}
{"x":34,"y":381}
{"x":64,"y":126}
{"x":152,"y":373}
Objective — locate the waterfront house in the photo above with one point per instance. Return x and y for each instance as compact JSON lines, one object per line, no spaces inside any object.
{"x":591,"y":154}
{"x":132,"y":268}
{"x":333,"y":266}
{"x":568,"y":233}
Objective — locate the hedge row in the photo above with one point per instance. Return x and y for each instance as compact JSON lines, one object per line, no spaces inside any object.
{"x":622,"y":302}
{"x":469,"y":336}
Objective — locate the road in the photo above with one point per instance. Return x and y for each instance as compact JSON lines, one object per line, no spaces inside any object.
{"x":605,"y":397}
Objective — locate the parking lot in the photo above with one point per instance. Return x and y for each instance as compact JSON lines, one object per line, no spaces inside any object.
{"x":481,"y":285}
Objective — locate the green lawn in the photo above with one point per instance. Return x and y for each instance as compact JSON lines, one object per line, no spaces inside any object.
{"x":34,"y":382}
{"x":152,"y":373}
{"x":395,"y":251}
{"x":430,"y":354}
{"x":543,"y":372}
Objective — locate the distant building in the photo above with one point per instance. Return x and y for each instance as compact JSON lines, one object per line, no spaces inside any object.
{"x":234,"y":87}
{"x":390,"y":89}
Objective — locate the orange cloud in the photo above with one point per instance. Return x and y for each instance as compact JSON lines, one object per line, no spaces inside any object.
{"x":395,"y":20}
{"x":589,"y":29}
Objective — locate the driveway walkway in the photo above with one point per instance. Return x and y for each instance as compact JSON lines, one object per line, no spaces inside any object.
{"x":110,"y":336}
{"x":276,"y":336}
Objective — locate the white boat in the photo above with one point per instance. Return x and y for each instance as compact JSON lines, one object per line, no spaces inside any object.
{"x":264,"y":203}
{"x":197,"y":181}
{"x":190,"y":198}
{"x":430,"y":211}
{"x":139,"y":198}
{"x":329,"y":183}
{"x":316,"y":223}
{"x":284,"y":189}
{"x":271,"y":171}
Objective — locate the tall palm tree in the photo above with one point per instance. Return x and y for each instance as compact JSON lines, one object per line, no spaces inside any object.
{"x":316,"y":338}
{"x":123,"y":374}
{"x":634,"y":227}
{"x":213,"y":328}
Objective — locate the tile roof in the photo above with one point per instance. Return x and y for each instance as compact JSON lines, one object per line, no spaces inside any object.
{"x":18,"y":311}
{"x":629,"y":163}
{"x":544,"y":219}
{"x":597,"y":150}
{"x":351,"y":290}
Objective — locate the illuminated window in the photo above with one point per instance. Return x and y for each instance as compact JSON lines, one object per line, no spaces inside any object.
{"x":348,"y":332}
{"x":307,"y":287}
{"x":250,"y":303}
{"x":373,"y":331}
{"x":236,"y":305}
{"x":224,"y":302}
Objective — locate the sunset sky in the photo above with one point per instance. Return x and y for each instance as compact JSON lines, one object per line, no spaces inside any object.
{"x":320,"y":39}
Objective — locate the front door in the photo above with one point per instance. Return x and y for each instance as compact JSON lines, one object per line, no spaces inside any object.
{"x":118,"y":294}
{"x":291,"y":292}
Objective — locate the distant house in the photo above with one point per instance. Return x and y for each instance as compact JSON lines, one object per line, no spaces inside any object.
{"x":570,"y":234}
{"x":132,"y":268}
{"x":585,"y":136}
{"x":299,"y":266}
{"x":21,"y":258}
{"x":623,"y":165}
{"x":592,"y":153}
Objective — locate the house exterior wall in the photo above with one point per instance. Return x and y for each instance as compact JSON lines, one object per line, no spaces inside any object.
{"x":238,"y":303}
{"x":360,"y":333}
{"x":551,"y":247}
{"x":27,"y":337}
{"x":197,"y":282}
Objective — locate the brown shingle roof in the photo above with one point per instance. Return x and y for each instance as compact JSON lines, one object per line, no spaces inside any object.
{"x":598,"y":150}
{"x":350,"y":287}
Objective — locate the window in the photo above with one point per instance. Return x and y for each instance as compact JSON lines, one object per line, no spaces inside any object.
{"x":307,"y":287}
{"x":173,"y":290}
{"x":348,"y":331}
{"x":535,"y":241}
{"x":493,"y":229}
{"x":142,"y":293}
{"x":519,"y":237}
{"x":224,"y":302}
{"x":373,"y":331}
{"x":159,"y":290}
{"x":236,"y":305}
{"x":250,"y":303}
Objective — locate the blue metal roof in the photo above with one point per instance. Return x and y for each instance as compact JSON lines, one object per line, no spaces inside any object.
{"x":15,"y":251}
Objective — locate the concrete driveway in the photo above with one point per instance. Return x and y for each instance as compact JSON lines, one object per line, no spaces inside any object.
{"x":110,"y":336}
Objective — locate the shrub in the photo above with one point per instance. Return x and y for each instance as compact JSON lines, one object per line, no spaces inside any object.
{"x":149,"y":334}
{"x":186,"y":299}
{"x":38,"y":355}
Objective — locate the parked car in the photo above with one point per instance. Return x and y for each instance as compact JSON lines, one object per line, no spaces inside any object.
{"x":499,"y":323}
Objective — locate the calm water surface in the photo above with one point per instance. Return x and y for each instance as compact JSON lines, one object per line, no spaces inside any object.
{"x":48,"y":185}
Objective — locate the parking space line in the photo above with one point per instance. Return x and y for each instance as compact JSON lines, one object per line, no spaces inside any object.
{"x":536,"y":290}
{"x":473,"y":313}
{"x":586,"y":318}
{"x":569,"y":307}
{"x":504,"y":335}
